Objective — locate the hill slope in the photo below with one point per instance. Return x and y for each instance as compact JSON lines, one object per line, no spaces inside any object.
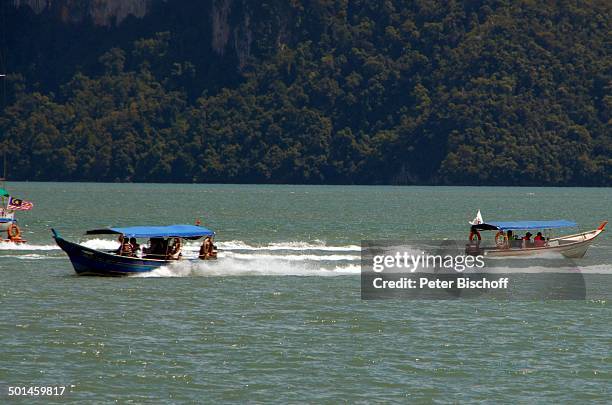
{"x":325,"y":91}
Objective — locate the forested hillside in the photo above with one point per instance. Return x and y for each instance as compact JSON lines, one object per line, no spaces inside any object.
{"x":321,"y":91}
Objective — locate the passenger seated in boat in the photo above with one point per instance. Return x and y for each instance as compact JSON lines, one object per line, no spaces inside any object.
{"x":513,"y":241}
{"x":539,"y":240}
{"x":175,"y":250}
{"x":120,"y":248}
{"x":202,"y":254}
{"x":204,"y":248}
{"x":126,"y":248}
{"x":208,"y":250}
{"x":527,"y":242}
{"x":147,"y":249}
{"x":135,"y":245}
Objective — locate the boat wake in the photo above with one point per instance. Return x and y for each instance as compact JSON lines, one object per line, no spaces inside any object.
{"x":251,"y":267}
{"x":295,"y":245}
{"x":26,"y":246}
{"x":30,"y":256}
{"x":237,"y":258}
{"x":100,"y":244}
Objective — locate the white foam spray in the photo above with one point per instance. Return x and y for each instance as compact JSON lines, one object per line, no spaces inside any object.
{"x":253,"y":267}
{"x":26,"y":246}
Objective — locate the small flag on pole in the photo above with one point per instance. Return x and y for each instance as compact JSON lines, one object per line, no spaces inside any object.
{"x":478,"y":220}
{"x":16,"y":204}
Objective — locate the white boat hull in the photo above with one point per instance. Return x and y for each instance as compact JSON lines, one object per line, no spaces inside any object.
{"x":571,"y":246}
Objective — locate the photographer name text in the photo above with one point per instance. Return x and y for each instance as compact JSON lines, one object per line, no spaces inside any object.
{"x":427,"y":283}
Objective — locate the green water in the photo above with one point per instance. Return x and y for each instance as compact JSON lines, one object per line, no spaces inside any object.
{"x":279,"y":318}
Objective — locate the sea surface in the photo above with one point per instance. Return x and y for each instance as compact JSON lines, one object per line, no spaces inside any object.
{"x":279,"y":317}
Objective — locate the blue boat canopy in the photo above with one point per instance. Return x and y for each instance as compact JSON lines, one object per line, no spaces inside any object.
{"x":526,"y":225}
{"x":170,"y":231}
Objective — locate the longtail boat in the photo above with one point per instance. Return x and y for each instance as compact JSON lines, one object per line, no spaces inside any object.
{"x":164,"y":248}
{"x":508,"y":244}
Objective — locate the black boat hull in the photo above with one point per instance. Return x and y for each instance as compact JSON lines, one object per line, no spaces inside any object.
{"x":91,"y":262}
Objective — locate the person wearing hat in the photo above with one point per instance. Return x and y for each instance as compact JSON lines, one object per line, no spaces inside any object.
{"x":527,"y":240}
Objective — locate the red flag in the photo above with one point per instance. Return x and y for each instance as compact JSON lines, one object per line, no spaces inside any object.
{"x":15,"y":204}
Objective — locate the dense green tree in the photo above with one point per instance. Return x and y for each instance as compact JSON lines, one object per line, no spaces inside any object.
{"x":316,"y":91}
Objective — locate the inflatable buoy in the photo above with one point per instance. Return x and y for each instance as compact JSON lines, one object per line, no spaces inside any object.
{"x":500,"y":239}
{"x":475,"y":234}
{"x":14,"y":233}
